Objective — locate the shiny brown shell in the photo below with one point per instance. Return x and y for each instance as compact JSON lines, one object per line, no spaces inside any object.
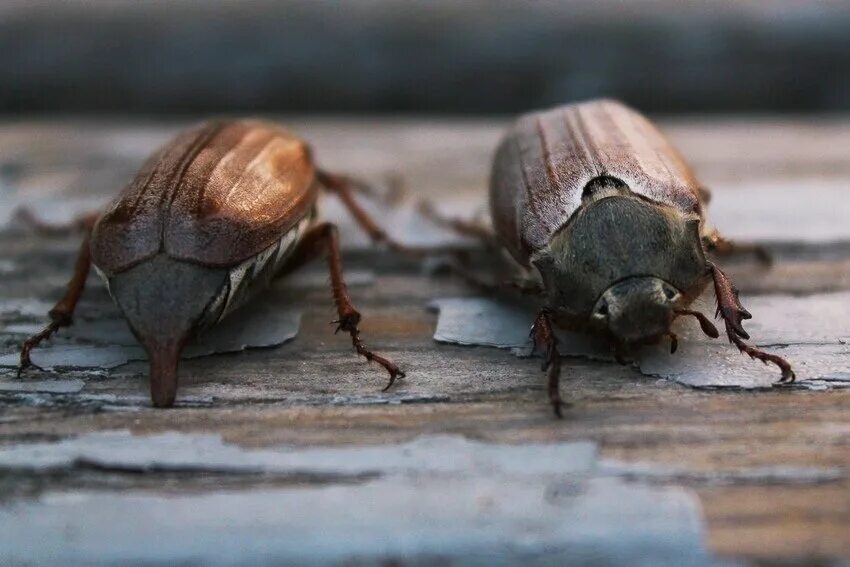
{"x":215,"y":195}
{"x":546,"y":159}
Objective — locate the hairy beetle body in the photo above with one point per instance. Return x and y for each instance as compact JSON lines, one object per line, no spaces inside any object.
{"x":207,"y":222}
{"x":595,"y":200}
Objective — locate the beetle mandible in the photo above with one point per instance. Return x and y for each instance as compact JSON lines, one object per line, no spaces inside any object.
{"x":603,"y":212}
{"x":206,"y":223}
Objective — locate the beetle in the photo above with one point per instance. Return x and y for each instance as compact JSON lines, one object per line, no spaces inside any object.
{"x":608,"y":221}
{"x":206,"y":223}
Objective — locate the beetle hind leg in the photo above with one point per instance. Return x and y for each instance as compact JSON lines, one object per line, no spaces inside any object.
{"x":729,"y":308}
{"x":62,"y":313}
{"x":325,"y":238}
{"x":545,"y":340}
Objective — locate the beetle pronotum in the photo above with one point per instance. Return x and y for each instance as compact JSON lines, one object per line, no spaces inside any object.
{"x":598,"y":207}
{"x":207,"y":222}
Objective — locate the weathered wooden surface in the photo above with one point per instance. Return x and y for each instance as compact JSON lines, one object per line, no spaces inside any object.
{"x":771,"y":468}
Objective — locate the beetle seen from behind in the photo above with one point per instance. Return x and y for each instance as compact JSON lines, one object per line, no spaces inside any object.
{"x":609,"y":221}
{"x":206,"y":223}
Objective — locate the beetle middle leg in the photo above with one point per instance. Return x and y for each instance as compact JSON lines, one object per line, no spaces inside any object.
{"x":544,"y":338}
{"x":455,"y":266}
{"x":325,"y":238}
{"x":62,"y":313}
{"x":462,"y":227}
{"x":343,"y":189}
{"x":733,"y":313}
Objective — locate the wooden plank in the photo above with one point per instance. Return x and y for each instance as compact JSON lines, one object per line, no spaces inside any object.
{"x":770,"y":467}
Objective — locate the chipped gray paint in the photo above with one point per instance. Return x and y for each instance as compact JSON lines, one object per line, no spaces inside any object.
{"x":810,"y":343}
{"x":258,"y":325}
{"x":178,"y":451}
{"x":779,"y":474}
{"x":478,"y":521}
{"x":61,"y":386}
{"x":721,"y":365}
{"x":433,"y":499}
{"x":77,"y":356}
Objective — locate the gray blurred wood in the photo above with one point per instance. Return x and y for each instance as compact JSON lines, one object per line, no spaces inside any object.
{"x":770,"y":468}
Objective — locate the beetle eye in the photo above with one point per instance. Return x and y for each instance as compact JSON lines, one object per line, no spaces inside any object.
{"x":602,"y":311}
{"x":670,"y":293}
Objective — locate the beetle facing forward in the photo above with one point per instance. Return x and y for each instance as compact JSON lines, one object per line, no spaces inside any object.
{"x":598,"y":207}
{"x":207,"y":222}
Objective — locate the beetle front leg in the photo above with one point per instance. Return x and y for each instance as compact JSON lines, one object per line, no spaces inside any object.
{"x":544,"y":339}
{"x":733,"y":313}
{"x":325,"y":238}
{"x":62,"y":313}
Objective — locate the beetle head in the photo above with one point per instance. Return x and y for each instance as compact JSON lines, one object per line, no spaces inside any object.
{"x":622,"y":264}
{"x":165,"y":302}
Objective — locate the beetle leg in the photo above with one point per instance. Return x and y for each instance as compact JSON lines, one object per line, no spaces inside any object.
{"x":395,"y":193}
{"x":455,"y":266}
{"x":81,"y":223}
{"x":62,"y":313}
{"x":460,"y":226}
{"x":733,"y":313}
{"x":545,"y":339}
{"x":722,"y":246}
{"x":342,"y":188}
{"x":325,"y":238}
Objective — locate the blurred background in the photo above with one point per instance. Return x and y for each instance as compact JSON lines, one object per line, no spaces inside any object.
{"x":469,"y":57}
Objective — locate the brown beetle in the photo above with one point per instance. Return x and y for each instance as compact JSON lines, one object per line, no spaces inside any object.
{"x":606,"y":215}
{"x":207,"y":222}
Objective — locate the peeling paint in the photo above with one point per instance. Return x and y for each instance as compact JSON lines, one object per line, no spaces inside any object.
{"x":443,"y":499}
{"x":44,"y":386}
{"x":779,"y":474}
{"x":435,"y":454}
{"x":258,"y":325}
{"x":699,"y":362}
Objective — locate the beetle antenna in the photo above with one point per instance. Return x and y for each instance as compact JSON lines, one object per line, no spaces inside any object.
{"x":707,"y":326}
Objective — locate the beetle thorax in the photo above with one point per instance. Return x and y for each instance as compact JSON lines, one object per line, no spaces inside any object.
{"x":621,"y":264}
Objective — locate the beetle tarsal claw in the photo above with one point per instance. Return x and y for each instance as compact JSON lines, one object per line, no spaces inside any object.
{"x":729,"y":307}
{"x":394,"y":374}
{"x":347,"y":322}
{"x":558,"y":406}
{"x":674,"y":342}
{"x":788,"y":377}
